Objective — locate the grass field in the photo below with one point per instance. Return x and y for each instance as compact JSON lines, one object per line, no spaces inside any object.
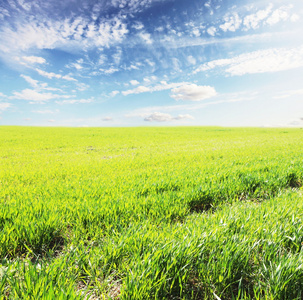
{"x":151,"y":213}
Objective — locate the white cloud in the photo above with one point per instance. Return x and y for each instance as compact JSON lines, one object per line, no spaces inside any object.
{"x":196,"y":32}
{"x":193,"y":92}
{"x":207,"y":4}
{"x":133,"y":6}
{"x":295,"y":123}
{"x":184,"y":117}
{"x":146,"y":37}
{"x":25,"y":5}
{"x":73,"y":33}
{"x":191,"y":60}
{"x":138,"y":25}
{"x":4,"y":106}
{"x":138,"y":90}
{"x":2,"y":95}
{"x":150,"y":79}
{"x":76,"y":101}
{"x":134,"y":82}
{"x":232,"y":22}
{"x":51,"y":75}
{"x":109,"y":71}
{"x":262,"y":61}
{"x":102,"y":59}
{"x":82,"y":86}
{"x":160,"y":87}
{"x":34,"y":59}
{"x":114,"y":93}
{"x":77,"y":66}
{"x":176,"y":64}
{"x":37,"y":85}
{"x":278,"y":15}
{"x":135,"y":66}
{"x":253,"y":21}
{"x":117,"y":56}
{"x":230,"y":41}
{"x":159,"y":29}
{"x":34,"y":96}
{"x":31,"y":81}
{"x":294,"y":18}
{"x":163,"y":117}
{"x":289,"y":93}
{"x":45,"y":111}
{"x":158,"y":117}
{"x":107,"y":119}
{"x":211,"y":30}
{"x":150,"y":63}
{"x":110,"y":33}
{"x":4,"y":13}
{"x":69,"y":78}
{"x":29,"y":35}
{"x":195,"y":105}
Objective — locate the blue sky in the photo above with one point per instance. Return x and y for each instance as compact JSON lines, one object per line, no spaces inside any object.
{"x":151,"y":62}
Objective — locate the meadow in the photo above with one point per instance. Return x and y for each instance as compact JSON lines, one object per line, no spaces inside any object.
{"x":151,"y":213}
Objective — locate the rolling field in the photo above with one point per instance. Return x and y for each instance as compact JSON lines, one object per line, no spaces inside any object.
{"x":151,"y":213}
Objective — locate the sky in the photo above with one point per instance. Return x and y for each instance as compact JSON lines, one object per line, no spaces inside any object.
{"x":151,"y":62}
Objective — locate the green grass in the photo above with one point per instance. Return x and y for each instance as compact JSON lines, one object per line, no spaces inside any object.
{"x":151,"y":213}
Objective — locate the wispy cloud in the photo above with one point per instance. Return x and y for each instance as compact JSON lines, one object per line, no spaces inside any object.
{"x":51,"y":75}
{"x":109,"y":71}
{"x":262,"y":61}
{"x":45,"y":111}
{"x":77,"y":33}
{"x":34,"y":59}
{"x":107,"y":119}
{"x":184,"y":42}
{"x":48,"y":75}
{"x":265,"y":16}
{"x":82,"y":86}
{"x":295,"y":123}
{"x":135,"y":6}
{"x":146,"y":37}
{"x":191,"y":60}
{"x":4,"y":106}
{"x":138,"y":25}
{"x":4,"y":13}
{"x":194,"y":105}
{"x":31,"y":81}
{"x":76,"y":101}
{"x":163,"y":117}
{"x":2,"y":95}
{"x":212,"y":30}
{"x":37,"y":85}
{"x":289,"y":93}
{"x":35,"y":96}
{"x":156,"y":88}
{"x":180,"y":90}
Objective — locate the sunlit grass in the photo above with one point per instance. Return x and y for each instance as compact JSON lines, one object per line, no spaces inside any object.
{"x":150,"y":213}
